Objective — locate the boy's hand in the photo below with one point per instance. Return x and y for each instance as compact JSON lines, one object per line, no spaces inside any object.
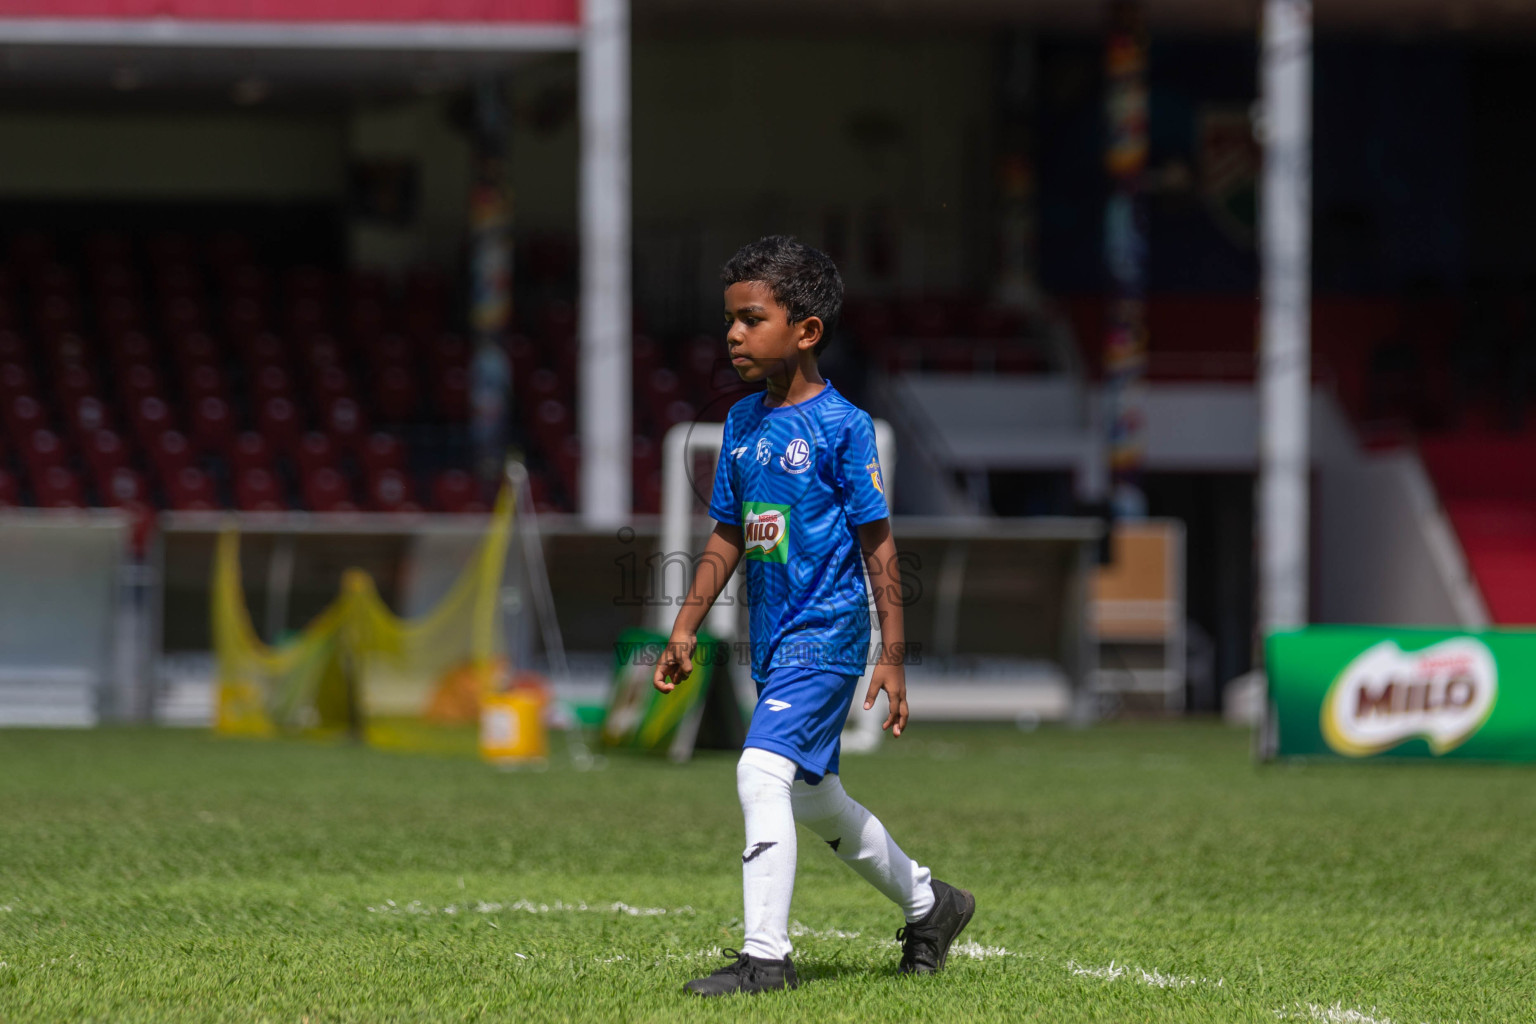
{"x":675,"y":663}
{"x":893,"y":680}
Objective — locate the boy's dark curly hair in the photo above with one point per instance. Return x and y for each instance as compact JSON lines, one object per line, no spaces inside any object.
{"x":803,"y":280}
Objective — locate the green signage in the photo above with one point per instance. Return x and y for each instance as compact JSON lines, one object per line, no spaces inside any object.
{"x":1361,"y":692}
{"x":641,"y":717}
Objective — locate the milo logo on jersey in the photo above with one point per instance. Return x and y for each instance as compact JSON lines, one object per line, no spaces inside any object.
{"x":765,"y":529}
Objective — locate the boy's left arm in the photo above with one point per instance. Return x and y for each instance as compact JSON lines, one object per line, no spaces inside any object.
{"x":890,"y":672}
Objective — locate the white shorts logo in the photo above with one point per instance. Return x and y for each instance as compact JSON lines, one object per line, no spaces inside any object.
{"x":797,"y":456}
{"x":776,"y":705}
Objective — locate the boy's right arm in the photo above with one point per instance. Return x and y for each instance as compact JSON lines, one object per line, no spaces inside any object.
{"x":721,"y":555}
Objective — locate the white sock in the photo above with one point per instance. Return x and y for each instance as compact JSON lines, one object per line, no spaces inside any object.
{"x":861,"y":842}
{"x":768,"y":863}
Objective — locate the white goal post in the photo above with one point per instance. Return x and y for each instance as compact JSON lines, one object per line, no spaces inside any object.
{"x":682,"y":529}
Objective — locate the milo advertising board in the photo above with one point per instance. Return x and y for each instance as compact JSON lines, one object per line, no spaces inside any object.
{"x":1359,"y":692}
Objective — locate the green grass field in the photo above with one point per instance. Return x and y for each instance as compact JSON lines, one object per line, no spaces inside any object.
{"x":1127,"y":873}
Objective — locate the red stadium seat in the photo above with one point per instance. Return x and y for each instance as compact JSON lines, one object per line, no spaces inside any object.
{"x":12,"y":348}
{"x":191,"y":490}
{"x":307,"y":282}
{"x":212,"y":423}
{"x":115,"y":279}
{"x":329,"y":384}
{"x":539,"y":386}
{"x":321,"y":352}
{"x":272,"y":382}
{"x":395,"y":394}
{"x":390,"y":491}
{"x":177,"y":279}
{"x":57,"y":487}
{"x":246,"y":280}
{"x":383,"y":451}
{"x":307,"y":315}
{"x":264,"y":350}
{"x":42,"y":450}
{"x":131,"y":348}
{"x":249,"y":451}
{"x":23,"y":415}
{"x":139,"y":382}
{"x":16,"y":380}
{"x":203,"y":380}
{"x":69,"y":349}
{"x":278,"y":420}
{"x":552,"y":422}
{"x":314,"y":453}
{"x":55,"y":314}
{"x":392,"y":350}
{"x":122,"y":487}
{"x":72,"y":384}
{"x":182,"y":315}
{"x":117,"y":314}
{"x":326,"y":490}
{"x":346,"y":423}
{"x":257,"y":490}
{"x":10,"y":493}
{"x":171,"y":453}
{"x":451,"y":393}
{"x":87,"y":415}
{"x":567,"y":462}
{"x":196,"y":349}
{"x":677,"y":412}
{"x":244,"y":317}
{"x":151,"y":418}
{"x":454,"y":490}
{"x":104,"y":452}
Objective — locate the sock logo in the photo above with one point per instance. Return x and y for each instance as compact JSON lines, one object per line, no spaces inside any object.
{"x":751,"y":854}
{"x":776,"y":705}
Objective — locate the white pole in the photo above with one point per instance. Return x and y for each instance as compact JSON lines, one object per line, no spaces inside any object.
{"x":1285,"y":312}
{"x":605,"y":265}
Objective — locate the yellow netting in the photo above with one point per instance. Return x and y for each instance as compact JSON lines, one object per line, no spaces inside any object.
{"x":406,"y":672}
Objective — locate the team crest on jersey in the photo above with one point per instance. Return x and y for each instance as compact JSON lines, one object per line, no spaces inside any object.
{"x":764,"y":451}
{"x":765,"y":529}
{"x":796,"y":457}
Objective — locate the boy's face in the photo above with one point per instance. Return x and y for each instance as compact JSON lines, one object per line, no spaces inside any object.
{"x":761,"y":341}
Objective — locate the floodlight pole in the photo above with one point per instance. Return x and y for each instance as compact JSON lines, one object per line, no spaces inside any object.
{"x":605,"y":316}
{"x":1285,"y":234}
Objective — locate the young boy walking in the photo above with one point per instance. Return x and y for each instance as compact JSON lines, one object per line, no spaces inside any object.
{"x":798,"y":494}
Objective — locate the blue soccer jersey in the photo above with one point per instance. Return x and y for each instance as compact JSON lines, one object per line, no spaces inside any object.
{"x":799,"y":480}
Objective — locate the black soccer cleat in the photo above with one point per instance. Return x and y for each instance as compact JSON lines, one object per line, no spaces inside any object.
{"x":746,"y":974}
{"x":925,"y":944}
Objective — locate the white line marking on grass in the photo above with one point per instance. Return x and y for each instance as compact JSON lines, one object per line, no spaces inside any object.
{"x":976,"y":951}
{"x":1335,"y":1014}
{"x":527,"y":906}
{"x":1154,"y":978}
{"x":798,"y":931}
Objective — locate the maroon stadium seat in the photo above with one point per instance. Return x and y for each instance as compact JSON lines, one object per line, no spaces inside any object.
{"x":104,"y":452}
{"x":138,"y":382}
{"x":256,"y":490}
{"x":151,"y":419}
{"x":314,"y":453}
{"x":390,"y":491}
{"x":191,"y":489}
{"x":203,"y":380}
{"x":43,"y":450}
{"x":57,"y":487}
{"x":250,"y":450}
{"x":171,"y":453}
{"x":454,"y":490}
{"x":13,"y":348}
{"x":326,"y":490}
{"x":23,"y":415}
{"x":87,"y":415}
{"x":383,"y":451}
{"x":346,"y":423}
{"x":131,"y":348}
{"x":122,"y":487}
{"x":451,"y":393}
{"x":395,"y":394}
{"x":552,"y":422}
{"x":72,"y":384}
{"x":10,"y":493}
{"x":213,"y":423}
{"x":327,"y":384}
{"x":278,"y":421}
{"x":16,"y":380}
{"x":271,"y":381}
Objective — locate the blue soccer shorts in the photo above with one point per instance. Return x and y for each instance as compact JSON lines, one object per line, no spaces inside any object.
{"x":800,"y":714}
